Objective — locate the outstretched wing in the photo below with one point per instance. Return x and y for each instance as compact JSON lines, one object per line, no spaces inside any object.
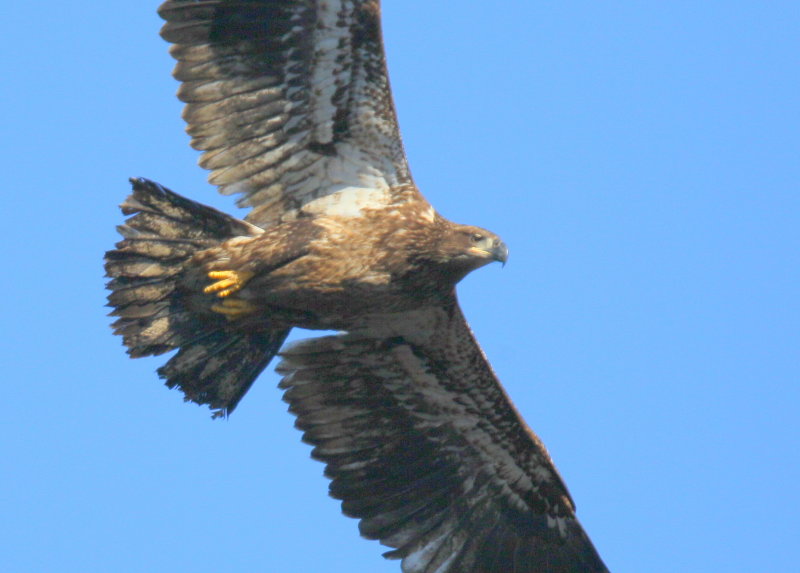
{"x":425,"y":447}
{"x":290,"y":102}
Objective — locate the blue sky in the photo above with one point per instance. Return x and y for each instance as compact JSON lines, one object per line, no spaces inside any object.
{"x":641,"y":160}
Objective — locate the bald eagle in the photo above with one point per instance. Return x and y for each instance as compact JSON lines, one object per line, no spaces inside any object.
{"x":289,"y":102}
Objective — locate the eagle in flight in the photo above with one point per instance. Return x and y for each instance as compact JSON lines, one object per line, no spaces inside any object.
{"x":289,"y":101}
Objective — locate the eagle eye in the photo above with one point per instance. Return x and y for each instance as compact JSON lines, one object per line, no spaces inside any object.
{"x":476,"y":237}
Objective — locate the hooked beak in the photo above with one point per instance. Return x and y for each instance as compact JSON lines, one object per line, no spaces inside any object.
{"x":499,"y":252}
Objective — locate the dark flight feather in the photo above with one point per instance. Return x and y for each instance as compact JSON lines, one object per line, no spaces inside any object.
{"x":420,"y":469}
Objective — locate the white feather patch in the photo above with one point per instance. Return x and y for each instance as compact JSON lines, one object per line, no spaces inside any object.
{"x":349,"y":184}
{"x":331,"y":67}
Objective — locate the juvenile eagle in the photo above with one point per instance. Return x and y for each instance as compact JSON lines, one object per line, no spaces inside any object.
{"x":290,"y":103}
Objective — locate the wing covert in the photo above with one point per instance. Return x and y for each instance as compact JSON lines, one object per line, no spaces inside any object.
{"x":290,"y":103}
{"x":423,"y":445}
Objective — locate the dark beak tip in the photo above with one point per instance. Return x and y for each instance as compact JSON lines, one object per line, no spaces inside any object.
{"x":501,"y":254}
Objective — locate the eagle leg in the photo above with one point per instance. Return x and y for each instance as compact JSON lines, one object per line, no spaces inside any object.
{"x":234,"y":308}
{"x":228,"y":282}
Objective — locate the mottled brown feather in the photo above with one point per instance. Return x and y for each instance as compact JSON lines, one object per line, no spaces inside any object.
{"x":430,"y":454}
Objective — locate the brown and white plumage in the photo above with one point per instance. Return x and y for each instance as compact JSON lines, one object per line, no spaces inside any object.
{"x":423,"y":444}
{"x":290,"y":103}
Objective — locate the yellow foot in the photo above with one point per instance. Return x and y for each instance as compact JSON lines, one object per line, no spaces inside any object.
{"x":228,"y":282}
{"x":234,"y":308}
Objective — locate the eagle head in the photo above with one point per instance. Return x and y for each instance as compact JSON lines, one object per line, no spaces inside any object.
{"x":463,"y":248}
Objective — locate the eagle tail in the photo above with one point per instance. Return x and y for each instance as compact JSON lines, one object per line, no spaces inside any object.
{"x":215,"y":365}
{"x":219,"y":367}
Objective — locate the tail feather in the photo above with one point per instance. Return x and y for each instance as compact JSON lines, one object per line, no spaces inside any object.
{"x":163,"y":214}
{"x":220,"y":368}
{"x":215,"y":364}
{"x":142,"y":291}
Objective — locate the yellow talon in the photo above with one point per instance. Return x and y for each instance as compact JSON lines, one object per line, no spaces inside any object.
{"x":234,"y":308}
{"x":228,"y":282}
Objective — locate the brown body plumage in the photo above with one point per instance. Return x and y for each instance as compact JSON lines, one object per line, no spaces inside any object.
{"x":290,"y":102}
{"x":329,"y":272}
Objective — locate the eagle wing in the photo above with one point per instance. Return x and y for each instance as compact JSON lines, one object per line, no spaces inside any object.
{"x":424,"y":446}
{"x":290,"y":102}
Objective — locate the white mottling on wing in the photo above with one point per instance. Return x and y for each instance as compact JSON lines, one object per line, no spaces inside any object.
{"x":350,"y":184}
{"x":420,"y":557}
{"x":558,"y":522}
{"x":467,"y":423}
{"x":541,"y":472}
{"x":331,"y":66}
{"x":347,"y":201}
{"x":429,"y":214}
